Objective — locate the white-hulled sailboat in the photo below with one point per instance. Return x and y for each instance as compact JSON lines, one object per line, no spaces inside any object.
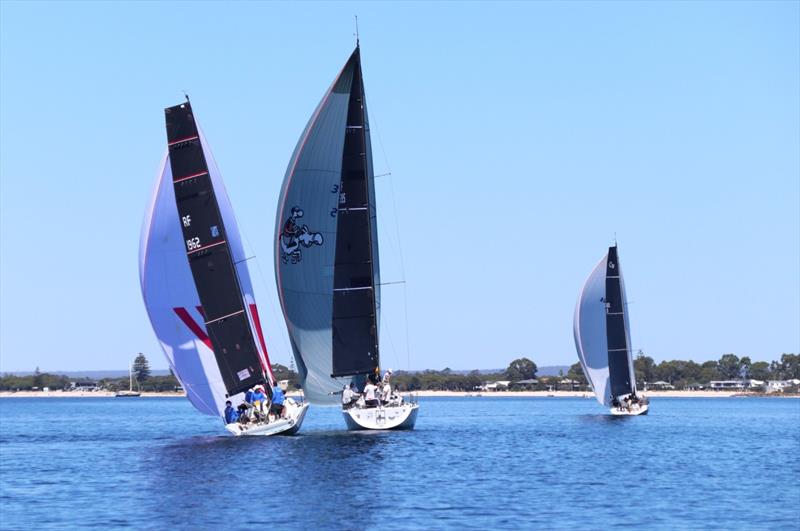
{"x":130,"y":393}
{"x":326,"y":256}
{"x":603,"y":341}
{"x":196,"y":285}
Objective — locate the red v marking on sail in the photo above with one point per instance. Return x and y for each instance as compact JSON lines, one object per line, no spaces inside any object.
{"x":193,"y":326}
{"x":257,"y":323}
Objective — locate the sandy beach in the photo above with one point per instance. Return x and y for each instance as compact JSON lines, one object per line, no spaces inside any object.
{"x":500,"y":394}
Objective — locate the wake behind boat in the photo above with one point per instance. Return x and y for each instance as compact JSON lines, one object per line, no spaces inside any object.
{"x":326,"y":258}
{"x":198,"y":294}
{"x":602,"y":339}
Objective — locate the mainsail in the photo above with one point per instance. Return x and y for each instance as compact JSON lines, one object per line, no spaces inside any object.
{"x":194,"y":277}
{"x":326,"y":259}
{"x":602,"y":335}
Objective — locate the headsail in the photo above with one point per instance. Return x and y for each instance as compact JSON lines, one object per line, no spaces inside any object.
{"x":169,"y":290}
{"x":326,"y":242}
{"x":600,"y":327}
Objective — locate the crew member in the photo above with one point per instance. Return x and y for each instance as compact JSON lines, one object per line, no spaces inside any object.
{"x":349,"y":397}
{"x":370,"y":400}
{"x":259,"y":399}
{"x":231,"y":415}
{"x":277,"y":408}
{"x":385,"y":391}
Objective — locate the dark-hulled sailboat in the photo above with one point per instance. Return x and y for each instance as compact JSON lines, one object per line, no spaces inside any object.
{"x":326,"y":259}
{"x":603,"y":341}
{"x":196,"y":285}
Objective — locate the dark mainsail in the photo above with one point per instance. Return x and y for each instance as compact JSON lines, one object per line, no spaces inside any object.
{"x":209,"y":255}
{"x":355,"y":325}
{"x":616,"y":329}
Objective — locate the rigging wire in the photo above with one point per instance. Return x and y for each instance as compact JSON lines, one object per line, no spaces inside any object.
{"x":390,"y":176}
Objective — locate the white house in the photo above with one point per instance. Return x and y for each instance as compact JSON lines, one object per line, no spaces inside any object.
{"x":780,"y":385}
{"x":734,"y":384}
{"x":497,"y":386}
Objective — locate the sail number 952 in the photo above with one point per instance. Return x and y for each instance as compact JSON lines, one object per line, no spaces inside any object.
{"x":193,"y":243}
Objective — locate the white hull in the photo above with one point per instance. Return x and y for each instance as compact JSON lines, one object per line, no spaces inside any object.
{"x":295,"y":413}
{"x":630,"y":412}
{"x":400,"y":417}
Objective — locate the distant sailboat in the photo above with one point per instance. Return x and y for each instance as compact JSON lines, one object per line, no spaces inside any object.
{"x":196,"y":285}
{"x":130,"y":393}
{"x":326,"y":259}
{"x":602,"y":338}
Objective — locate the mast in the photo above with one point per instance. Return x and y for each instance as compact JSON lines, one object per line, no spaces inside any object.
{"x":355,"y":310}
{"x":210,"y":257}
{"x":617,"y":329}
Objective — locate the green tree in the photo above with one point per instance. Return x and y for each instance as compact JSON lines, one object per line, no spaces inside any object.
{"x":38,"y":379}
{"x":141,"y":368}
{"x":644,"y":367}
{"x":760,"y":371}
{"x":790,"y":366}
{"x":708,"y":372}
{"x":575,"y":373}
{"x":729,"y":366}
{"x":521,"y":369}
{"x":744,"y":366}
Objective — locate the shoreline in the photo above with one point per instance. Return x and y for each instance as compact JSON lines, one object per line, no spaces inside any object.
{"x":423,"y":394}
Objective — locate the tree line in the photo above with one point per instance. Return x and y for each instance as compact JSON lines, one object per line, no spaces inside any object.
{"x":679,"y":373}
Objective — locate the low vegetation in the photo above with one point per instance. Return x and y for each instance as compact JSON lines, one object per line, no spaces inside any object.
{"x":521,"y":373}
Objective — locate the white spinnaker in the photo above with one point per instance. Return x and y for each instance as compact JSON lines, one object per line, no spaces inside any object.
{"x":167,"y":285}
{"x":305,"y":286}
{"x":589,"y":328}
{"x":171,"y":297}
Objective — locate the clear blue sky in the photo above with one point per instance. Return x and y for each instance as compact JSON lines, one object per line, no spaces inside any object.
{"x":521,"y":137}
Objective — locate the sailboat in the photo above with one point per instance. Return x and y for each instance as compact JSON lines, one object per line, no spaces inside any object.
{"x":326,"y":260}
{"x":130,"y":393}
{"x":603,"y":340}
{"x":196,"y":285}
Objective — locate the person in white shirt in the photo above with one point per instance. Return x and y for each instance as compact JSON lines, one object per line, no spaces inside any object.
{"x":349,"y":397}
{"x":386,"y":392}
{"x":387,"y":375}
{"x":369,"y":394}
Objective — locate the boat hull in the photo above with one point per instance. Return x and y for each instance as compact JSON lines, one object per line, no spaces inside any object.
{"x":625,"y":412}
{"x":286,"y":426}
{"x":402,"y":417}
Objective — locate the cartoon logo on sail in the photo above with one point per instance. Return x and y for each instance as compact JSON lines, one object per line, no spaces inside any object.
{"x":294,"y":236}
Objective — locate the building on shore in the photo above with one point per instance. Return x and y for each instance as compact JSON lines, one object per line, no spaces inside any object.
{"x":734,"y":384}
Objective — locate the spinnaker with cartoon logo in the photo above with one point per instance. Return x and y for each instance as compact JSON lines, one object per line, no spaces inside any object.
{"x":197,"y":290}
{"x":603,"y":339}
{"x":294,"y":236}
{"x":326,"y":261}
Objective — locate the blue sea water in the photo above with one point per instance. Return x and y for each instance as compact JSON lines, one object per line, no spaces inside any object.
{"x":472,"y":463}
